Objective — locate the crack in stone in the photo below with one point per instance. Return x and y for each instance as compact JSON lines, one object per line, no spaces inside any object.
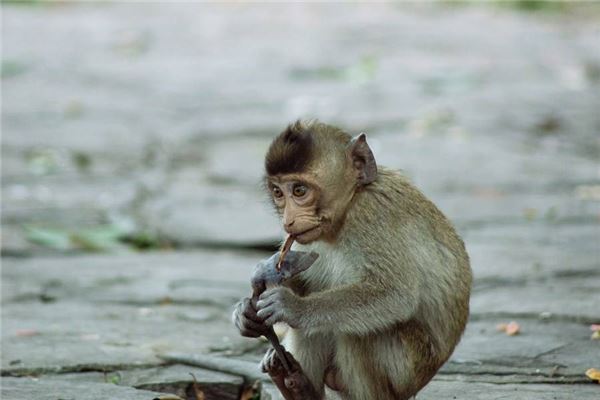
{"x":80,"y":368}
{"x":578,"y":319}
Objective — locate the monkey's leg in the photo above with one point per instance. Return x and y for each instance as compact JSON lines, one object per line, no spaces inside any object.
{"x":375,"y":367}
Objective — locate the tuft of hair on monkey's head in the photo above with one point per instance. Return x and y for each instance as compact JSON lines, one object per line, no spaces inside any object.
{"x":294,"y":148}
{"x":290,"y":151}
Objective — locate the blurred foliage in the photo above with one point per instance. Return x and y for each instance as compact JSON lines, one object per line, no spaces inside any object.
{"x":82,"y":161}
{"x":24,"y":2}
{"x":530,"y":6}
{"x":12,"y":68}
{"x":96,"y":239}
{"x":537,"y":5}
{"x":42,"y":161}
{"x":362,"y":72}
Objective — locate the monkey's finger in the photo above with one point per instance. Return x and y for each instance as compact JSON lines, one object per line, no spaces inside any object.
{"x":240,"y":306}
{"x":274,"y":318}
{"x":275,"y":362}
{"x":250,"y":313}
{"x":248,"y":327}
{"x":265,"y":313}
{"x":238,"y":312}
{"x":249,"y":324}
{"x":271,"y":363}
{"x":250,"y":331}
{"x":265,"y":363}
{"x":262,"y":304}
{"x":269,"y":293}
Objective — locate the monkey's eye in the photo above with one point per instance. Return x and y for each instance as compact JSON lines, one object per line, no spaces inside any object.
{"x":300,"y":190}
{"x":277,"y":193}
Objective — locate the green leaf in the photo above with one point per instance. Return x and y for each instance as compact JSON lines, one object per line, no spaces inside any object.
{"x":52,"y":238}
{"x":99,"y":238}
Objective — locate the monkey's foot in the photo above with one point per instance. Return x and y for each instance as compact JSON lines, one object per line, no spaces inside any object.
{"x":294,"y":385}
{"x":271,"y":363}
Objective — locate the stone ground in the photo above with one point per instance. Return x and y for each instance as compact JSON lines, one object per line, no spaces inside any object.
{"x":130,"y":126}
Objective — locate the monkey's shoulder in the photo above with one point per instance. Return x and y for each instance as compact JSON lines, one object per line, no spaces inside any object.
{"x":393,"y":200}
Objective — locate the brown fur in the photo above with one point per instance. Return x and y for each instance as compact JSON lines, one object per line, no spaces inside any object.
{"x":388,"y":299}
{"x":290,"y":151}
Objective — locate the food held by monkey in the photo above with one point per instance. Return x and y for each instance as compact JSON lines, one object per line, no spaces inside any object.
{"x":386,"y":302}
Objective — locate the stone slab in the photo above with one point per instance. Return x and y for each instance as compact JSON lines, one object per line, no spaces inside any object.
{"x":40,"y":389}
{"x":76,"y":313}
{"x":466,"y":390}
{"x":494,"y":85}
{"x":571,"y":298}
{"x":502,"y":254}
{"x":485,"y":391}
{"x":552,"y":352}
{"x":555,"y":350}
{"x":143,"y":279}
{"x":198,"y":214}
{"x":174,"y":379}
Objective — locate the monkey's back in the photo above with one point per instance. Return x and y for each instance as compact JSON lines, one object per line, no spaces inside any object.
{"x":403,"y":231}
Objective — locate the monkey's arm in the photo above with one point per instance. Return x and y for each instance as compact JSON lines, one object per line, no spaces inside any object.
{"x":357,"y":308}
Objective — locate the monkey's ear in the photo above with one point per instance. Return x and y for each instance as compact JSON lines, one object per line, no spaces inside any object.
{"x":363,"y":160}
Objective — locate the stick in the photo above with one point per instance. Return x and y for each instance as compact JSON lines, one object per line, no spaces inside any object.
{"x":287,"y":245}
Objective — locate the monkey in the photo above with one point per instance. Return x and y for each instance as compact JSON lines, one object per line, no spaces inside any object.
{"x":387,"y":301}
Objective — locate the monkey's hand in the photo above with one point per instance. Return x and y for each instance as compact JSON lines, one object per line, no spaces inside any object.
{"x":279,"y":304}
{"x":247,"y":321}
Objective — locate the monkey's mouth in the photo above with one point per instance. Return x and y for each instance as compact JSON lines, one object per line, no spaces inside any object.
{"x":308,"y":235}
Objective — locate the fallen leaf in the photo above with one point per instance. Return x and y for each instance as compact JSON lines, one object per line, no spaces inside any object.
{"x":165,"y":301}
{"x":251,"y":392}
{"x":247,"y":394}
{"x":51,"y":238}
{"x":511,"y":329}
{"x":595,"y":327}
{"x":593,"y":374}
{"x":198,"y":394}
{"x":595,"y":335}
{"x":530,"y":213}
{"x":27,"y":332}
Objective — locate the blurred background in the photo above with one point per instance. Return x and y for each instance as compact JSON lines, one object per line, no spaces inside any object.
{"x":132,"y":143}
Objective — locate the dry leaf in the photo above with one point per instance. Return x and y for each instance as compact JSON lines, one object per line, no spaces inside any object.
{"x":198,"y":394}
{"x":530,"y":213}
{"x":595,"y":327}
{"x":595,"y":335}
{"x":27,"y":332}
{"x":511,"y":329}
{"x":250,"y":392}
{"x":593,"y":374}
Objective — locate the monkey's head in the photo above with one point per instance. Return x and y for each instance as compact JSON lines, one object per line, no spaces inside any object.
{"x":313,"y":171}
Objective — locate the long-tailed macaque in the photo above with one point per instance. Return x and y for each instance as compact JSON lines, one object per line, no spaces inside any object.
{"x":387,"y":300}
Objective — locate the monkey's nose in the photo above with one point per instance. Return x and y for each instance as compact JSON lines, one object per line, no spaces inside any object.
{"x":289,"y":224}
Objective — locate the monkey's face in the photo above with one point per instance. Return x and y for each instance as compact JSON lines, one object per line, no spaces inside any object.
{"x":296,"y":198}
{"x":312,"y":175}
